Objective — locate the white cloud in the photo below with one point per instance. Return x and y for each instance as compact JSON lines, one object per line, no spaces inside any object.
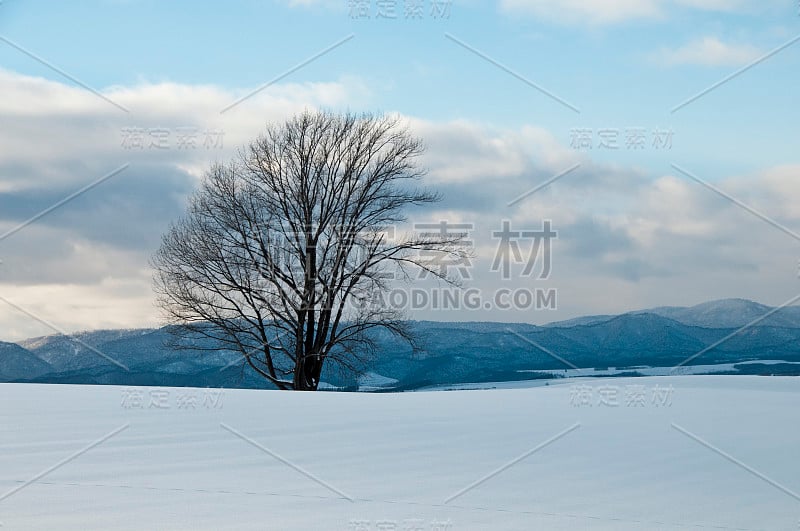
{"x":111,"y":303}
{"x":604,"y":12}
{"x":484,"y":153}
{"x":720,"y":5}
{"x":47,"y":124}
{"x":589,"y":12}
{"x":626,"y":239}
{"x":708,"y":51}
{"x":73,"y":263}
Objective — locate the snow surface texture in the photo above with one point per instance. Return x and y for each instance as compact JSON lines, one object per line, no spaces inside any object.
{"x":686,"y":452}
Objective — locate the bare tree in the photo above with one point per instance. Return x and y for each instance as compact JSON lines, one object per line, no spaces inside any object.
{"x":282,"y":247}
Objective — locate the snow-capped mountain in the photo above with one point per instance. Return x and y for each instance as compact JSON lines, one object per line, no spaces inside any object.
{"x":728,"y":313}
{"x":16,"y":362}
{"x":723,"y":313}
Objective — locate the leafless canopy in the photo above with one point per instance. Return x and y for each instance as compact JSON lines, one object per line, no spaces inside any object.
{"x":279,"y":245}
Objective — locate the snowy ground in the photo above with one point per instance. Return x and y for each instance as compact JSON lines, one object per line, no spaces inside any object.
{"x":688,"y":452}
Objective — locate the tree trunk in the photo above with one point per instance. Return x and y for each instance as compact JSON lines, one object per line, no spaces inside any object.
{"x":307,"y":373}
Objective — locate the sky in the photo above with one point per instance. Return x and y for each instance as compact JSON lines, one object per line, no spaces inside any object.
{"x":659,"y":137}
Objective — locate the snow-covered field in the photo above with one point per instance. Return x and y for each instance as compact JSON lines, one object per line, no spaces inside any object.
{"x":687,"y":452}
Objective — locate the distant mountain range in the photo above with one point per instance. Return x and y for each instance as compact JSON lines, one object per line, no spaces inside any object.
{"x":453,"y":352}
{"x":725,"y":313}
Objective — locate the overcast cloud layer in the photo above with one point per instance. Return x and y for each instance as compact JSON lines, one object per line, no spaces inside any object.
{"x":628,"y":238}
{"x":90,"y":178}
